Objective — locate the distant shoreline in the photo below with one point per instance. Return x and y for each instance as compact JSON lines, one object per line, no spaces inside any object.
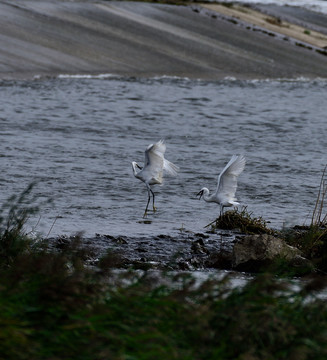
{"x":210,"y":42}
{"x":273,"y":24}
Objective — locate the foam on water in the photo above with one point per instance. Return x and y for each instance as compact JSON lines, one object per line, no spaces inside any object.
{"x":87,"y":76}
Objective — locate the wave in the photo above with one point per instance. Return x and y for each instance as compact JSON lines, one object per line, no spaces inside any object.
{"x":87,"y":76}
{"x":178,"y":79}
{"x":300,"y":79}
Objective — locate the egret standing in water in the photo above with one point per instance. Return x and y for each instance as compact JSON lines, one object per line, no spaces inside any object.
{"x":227,"y":184}
{"x":154,"y":166}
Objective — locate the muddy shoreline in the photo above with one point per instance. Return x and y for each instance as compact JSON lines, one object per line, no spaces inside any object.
{"x":218,"y":250}
{"x":48,"y":38}
{"x":188,"y":251}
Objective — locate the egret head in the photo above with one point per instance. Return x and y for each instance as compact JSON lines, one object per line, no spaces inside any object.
{"x":200,"y":193}
{"x":134,"y":166}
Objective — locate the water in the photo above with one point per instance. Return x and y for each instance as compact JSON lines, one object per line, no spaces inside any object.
{"x":77,"y":137}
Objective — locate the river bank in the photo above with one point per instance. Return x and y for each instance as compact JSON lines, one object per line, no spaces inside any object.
{"x":52,"y":304}
{"x":49,"y":38}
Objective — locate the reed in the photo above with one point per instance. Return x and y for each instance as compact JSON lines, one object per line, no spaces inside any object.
{"x":318,"y":219}
{"x":14,"y":213}
{"x":312,"y":239}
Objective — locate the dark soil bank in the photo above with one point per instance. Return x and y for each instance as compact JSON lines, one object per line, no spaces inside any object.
{"x":186,"y":252}
{"x":141,"y":39}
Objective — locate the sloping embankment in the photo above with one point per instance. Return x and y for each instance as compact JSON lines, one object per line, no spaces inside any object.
{"x":47,"y":38}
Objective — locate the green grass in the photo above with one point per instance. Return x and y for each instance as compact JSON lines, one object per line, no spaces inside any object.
{"x":54,"y":308}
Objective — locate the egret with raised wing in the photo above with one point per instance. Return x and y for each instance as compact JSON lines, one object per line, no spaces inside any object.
{"x":227,"y":184}
{"x":154,"y":166}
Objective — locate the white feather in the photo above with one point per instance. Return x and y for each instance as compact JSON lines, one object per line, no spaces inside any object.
{"x":227,"y":183}
{"x":227,"y":180}
{"x":154,"y":166}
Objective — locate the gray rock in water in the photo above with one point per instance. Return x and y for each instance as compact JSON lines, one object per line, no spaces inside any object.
{"x":255,"y":251}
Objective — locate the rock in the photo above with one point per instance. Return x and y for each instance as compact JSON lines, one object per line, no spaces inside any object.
{"x":301,"y":262}
{"x":221,"y":259}
{"x":198,"y":247}
{"x":253,"y":252}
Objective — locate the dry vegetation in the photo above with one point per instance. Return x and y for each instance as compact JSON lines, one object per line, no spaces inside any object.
{"x":242,"y":221}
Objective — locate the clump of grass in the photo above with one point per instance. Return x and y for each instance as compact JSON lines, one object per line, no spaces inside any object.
{"x":312,"y":239}
{"x":274,"y":21}
{"x":13,"y":216}
{"x":307,"y":32}
{"x":241,"y":220}
{"x":226,"y":4}
{"x":318,"y":219}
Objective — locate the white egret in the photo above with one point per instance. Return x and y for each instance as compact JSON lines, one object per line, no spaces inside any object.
{"x":227,"y":184}
{"x":152,"y":171}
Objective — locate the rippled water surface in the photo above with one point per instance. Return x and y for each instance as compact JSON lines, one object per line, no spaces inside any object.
{"x":77,"y":137}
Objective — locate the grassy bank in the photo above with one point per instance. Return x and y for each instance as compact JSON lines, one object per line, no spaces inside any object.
{"x":53,"y":306}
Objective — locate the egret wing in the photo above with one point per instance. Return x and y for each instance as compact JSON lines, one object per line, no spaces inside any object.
{"x":153,"y":151}
{"x":227,"y":180}
{"x":159,"y":148}
{"x":154,"y":162}
{"x":171,"y":168}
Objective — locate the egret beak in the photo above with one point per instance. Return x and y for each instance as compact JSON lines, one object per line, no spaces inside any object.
{"x":200,"y":193}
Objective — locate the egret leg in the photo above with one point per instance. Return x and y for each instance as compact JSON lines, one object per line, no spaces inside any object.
{"x":154,"y":208}
{"x":146,"y":209}
{"x":221,"y":210}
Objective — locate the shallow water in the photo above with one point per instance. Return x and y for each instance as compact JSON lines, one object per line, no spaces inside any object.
{"x":77,"y":137}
